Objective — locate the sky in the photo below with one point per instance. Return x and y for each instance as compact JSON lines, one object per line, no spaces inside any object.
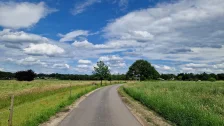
{"x":70,"y":37}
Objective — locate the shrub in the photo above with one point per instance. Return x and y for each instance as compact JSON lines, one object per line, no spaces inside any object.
{"x":212,"y":79}
{"x":28,"y":75}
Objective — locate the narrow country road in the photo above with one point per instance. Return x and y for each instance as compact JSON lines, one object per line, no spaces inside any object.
{"x":102,"y":108}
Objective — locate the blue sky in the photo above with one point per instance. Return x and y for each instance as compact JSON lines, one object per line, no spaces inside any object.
{"x":71,"y":36}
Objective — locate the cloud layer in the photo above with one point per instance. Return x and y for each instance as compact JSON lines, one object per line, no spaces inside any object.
{"x":183,"y":36}
{"x":22,"y":15}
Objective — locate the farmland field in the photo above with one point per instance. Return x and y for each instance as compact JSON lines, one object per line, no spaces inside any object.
{"x":36,"y":101}
{"x":183,"y":103}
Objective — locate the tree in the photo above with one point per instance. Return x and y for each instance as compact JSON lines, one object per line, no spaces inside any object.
{"x":28,"y":75}
{"x":143,"y":69}
{"x":101,"y":71}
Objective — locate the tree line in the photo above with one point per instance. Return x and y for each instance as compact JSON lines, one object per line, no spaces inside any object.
{"x":193,"y":77}
{"x":139,"y":70}
{"x":11,"y":76}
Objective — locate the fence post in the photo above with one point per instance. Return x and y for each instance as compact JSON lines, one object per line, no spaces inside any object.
{"x":70,"y":90}
{"x":11,"y":111}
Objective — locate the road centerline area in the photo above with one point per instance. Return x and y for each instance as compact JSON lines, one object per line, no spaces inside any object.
{"x":101,"y":108}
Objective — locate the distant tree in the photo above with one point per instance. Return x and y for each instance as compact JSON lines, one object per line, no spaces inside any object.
{"x":168,"y":76}
{"x":142,"y":69}
{"x":28,"y":75}
{"x":205,"y":76}
{"x":220,"y":76}
{"x":110,"y":78}
{"x":6,"y":75}
{"x":101,"y":71}
{"x":212,"y":79}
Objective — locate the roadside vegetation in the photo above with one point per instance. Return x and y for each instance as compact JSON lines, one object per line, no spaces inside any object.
{"x":183,"y":103}
{"x":188,"y":102}
{"x":36,"y":101}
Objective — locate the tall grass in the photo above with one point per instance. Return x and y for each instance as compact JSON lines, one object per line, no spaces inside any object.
{"x":33,"y":95}
{"x":8,"y":87}
{"x":36,"y":101}
{"x":33,"y":112}
{"x":184,"y":103}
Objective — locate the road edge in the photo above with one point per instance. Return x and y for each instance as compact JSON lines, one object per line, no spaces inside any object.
{"x":145,"y":116}
{"x":58,"y":117}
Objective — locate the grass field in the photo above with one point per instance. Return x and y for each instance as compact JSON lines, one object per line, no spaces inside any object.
{"x":184,"y":103}
{"x":36,"y":101}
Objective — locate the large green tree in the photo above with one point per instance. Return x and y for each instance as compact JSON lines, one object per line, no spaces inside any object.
{"x":101,"y":71}
{"x":142,"y":69}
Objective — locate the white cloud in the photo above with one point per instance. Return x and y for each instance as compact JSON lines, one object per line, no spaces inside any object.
{"x":200,"y":68}
{"x":81,"y":7}
{"x":17,"y":37}
{"x":22,"y":15}
{"x":110,"y":58}
{"x":44,"y":49}
{"x":180,"y":31}
{"x":28,"y":61}
{"x":123,"y":4}
{"x":84,"y":61}
{"x":187,"y":70}
{"x":193,"y":65}
{"x":87,"y":68}
{"x":83,"y":66}
{"x":113,"y":61}
{"x":164,"y":68}
{"x":1,"y":69}
{"x":71,"y":36}
{"x":219,"y":66}
{"x":86,"y":44}
{"x":61,"y":66}
{"x":82,"y":44}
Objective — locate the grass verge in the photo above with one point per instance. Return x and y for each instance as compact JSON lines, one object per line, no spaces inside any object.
{"x":183,"y":103}
{"x":146,"y":116}
{"x":40,"y":110}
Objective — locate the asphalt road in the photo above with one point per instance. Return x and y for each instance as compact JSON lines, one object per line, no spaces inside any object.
{"x":101,"y":108}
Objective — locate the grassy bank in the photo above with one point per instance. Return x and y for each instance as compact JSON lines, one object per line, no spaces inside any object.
{"x":184,"y":103}
{"x":36,"y":101}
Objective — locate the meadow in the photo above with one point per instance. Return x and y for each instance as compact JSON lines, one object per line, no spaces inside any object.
{"x":183,"y":103}
{"x":36,"y":101}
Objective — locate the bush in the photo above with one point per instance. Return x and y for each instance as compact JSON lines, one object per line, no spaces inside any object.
{"x":212,"y":79}
{"x":28,"y":75}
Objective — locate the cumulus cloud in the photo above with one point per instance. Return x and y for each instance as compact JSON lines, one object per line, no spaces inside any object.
{"x":164,"y":68}
{"x":84,"y":61}
{"x":193,"y":65}
{"x":71,"y":36}
{"x":88,"y":45}
{"x":219,"y":66}
{"x":113,"y":61}
{"x":28,"y":61}
{"x":83,"y":44}
{"x":200,"y":68}
{"x":18,"y":37}
{"x":179,"y":31}
{"x":61,"y":66}
{"x":123,"y":4}
{"x":84,"y":66}
{"x":81,"y":7}
{"x":44,"y":49}
{"x":23,"y":14}
{"x":1,"y":69}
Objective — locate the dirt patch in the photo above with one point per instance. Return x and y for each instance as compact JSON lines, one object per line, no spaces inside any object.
{"x":144,"y":115}
{"x":56,"y":119}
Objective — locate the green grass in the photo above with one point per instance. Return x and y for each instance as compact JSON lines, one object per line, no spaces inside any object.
{"x":37,"y":111}
{"x":8,"y":87}
{"x":184,"y":103}
{"x":36,"y":101}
